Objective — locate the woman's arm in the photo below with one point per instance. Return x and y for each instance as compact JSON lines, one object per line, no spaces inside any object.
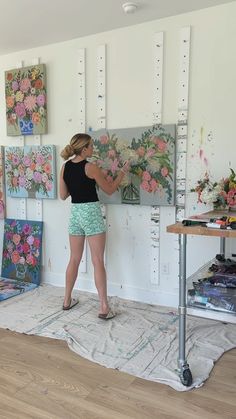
{"x":94,"y":172}
{"x":64,"y":193}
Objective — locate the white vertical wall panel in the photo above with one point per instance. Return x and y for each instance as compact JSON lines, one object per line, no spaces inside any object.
{"x":81,"y":88}
{"x":101,"y":86}
{"x":182,"y":128}
{"x":158,"y":69}
{"x":82,"y":123}
{"x":158,"y":46}
{"x":101,"y":102}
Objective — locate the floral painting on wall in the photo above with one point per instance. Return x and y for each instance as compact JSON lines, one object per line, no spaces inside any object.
{"x":2,"y":189}
{"x":26,"y":105}
{"x":151,"y":153}
{"x":30,"y":171}
{"x":22,"y":248}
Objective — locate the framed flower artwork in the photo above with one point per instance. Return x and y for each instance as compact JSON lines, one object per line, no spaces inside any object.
{"x":151,"y":153}
{"x":30,"y":172}
{"x":22,"y":248}
{"x":26,"y":101}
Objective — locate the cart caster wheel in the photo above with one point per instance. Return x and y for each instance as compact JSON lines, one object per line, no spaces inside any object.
{"x":186,"y":377}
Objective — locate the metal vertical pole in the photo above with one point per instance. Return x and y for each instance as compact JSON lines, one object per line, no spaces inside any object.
{"x":182,"y":298}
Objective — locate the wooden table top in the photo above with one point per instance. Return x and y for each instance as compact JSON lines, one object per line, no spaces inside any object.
{"x":201,"y":230}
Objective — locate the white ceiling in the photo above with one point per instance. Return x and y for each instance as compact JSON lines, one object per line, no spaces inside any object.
{"x":27,"y":24}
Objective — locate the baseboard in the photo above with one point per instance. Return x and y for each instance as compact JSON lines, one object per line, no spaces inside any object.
{"x":127,"y":292}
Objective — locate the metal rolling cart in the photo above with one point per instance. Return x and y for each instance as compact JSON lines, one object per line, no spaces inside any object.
{"x":199,"y":230}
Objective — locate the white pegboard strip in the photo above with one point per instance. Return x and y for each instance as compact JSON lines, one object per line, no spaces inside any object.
{"x":182,"y":127}
{"x":158,"y":47}
{"x":101,"y":102}
{"x":37,"y":140}
{"x":82,"y":103}
{"x":101,"y":86}
{"x":158,"y":69}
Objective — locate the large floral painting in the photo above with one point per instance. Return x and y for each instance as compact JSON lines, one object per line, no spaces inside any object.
{"x":30,"y":171}
{"x":26,"y":106}
{"x":2,"y":189}
{"x":151,"y":153}
{"x":22,"y":248}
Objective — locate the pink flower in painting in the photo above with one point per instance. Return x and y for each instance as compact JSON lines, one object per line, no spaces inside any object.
{"x":20,"y":110}
{"x":161,"y":145}
{"x":16,"y":239}
{"x":231,"y":197}
{"x":27,"y":161}
{"x":10,"y":101}
{"x":15,"y":85}
{"x":24,"y":85}
{"x":41,"y":100}
{"x":15,"y":257}
{"x":150,"y":152}
{"x":145,"y":185}
{"x":30,"y":259}
{"x":27,"y":229}
{"x":114,"y":166}
{"x":47,"y":168}
{"x":26,"y":247}
{"x":140,"y":151}
{"x":15,"y":160}
{"x":153,"y":185}
{"x":146,"y":176}
{"x":104,"y":139}
{"x":37,"y":177}
{"x":30,"y":240}
{"x":30,"y":103}
{"x":22,"y":181}
{"x":164,"y":171}
{"x":36,"y":242}
{"x":48,"y":186}
{"x":40,"y":159}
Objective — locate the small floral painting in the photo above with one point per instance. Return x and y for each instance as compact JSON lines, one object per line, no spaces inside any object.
{"x":22,"y":248}
{"x":26,"y":104}
{"x":12,"y":287}
{"x":2,"y":189}
{"x":30,"y":171}
{"x":151,"y":153}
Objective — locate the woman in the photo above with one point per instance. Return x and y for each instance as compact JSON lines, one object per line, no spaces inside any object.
{"x":78,"y":179}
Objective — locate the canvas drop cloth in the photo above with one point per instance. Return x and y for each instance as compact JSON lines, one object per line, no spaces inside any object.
{"x":142,"y":340}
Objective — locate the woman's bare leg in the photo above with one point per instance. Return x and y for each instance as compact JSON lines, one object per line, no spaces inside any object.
{"x":97,"y":248}
{"x":76,"y":252}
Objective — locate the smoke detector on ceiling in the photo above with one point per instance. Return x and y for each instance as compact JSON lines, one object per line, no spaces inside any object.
{"x":129,"y":7}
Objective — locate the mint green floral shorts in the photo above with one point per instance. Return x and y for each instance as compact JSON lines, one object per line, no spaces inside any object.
{"x":86,"y":219}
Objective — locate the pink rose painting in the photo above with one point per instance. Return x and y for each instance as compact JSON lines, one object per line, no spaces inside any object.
{"x":151,"y":153}
{"x":30,"y":172}
{"x":26,"y":102}
{"x":22,"y":248}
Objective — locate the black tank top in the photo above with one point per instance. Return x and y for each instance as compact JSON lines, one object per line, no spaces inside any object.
{"x":81,"y":187}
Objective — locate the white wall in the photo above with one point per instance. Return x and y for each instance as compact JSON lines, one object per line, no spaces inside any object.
{"x":129,"y":104}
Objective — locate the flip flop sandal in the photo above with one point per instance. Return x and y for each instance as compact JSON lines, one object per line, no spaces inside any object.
{"x":73,"y":303}
{"x":107,"y":316}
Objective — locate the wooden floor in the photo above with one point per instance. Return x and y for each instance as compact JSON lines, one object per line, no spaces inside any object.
{"x":43,"y":378}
